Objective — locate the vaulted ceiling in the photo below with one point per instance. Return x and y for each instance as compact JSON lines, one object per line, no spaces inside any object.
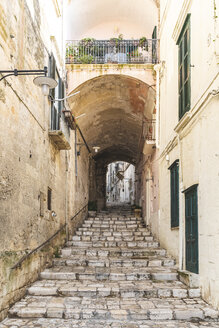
{"x":108,"y":18}
{"x":115,"y":108}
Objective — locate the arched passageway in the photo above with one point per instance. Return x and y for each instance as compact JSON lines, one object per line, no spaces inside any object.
{"x":117,"y":109}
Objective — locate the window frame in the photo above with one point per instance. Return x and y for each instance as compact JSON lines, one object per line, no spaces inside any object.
{"x":49,"y":199}
{"x":58,"y":92}
{"x":174,"y":194}
{"x":184,"y":68}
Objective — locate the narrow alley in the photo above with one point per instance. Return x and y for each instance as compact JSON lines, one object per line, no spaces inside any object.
{"x":109,"y":163}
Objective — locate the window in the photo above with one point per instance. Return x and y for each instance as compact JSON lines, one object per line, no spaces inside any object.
{"x":57,"y":93}
{"x":49,"y":199}
{"x":174,"y":191}
{"x":184,"y":69}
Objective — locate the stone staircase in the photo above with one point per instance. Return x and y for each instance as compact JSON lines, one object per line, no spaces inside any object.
{"x":112,"y":273}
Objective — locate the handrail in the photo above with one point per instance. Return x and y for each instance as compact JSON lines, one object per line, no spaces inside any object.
{"x":45,"y":242}
{"x":79,"y":211}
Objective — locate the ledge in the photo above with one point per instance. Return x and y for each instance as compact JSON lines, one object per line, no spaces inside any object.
{"x":59,"y":139}
{"x":183,"y":122}
{"x":148,"y":146}
{"x":109,"y":66}
{"x":189,"y":278}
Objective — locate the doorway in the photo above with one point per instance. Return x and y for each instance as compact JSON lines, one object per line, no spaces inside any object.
{"x":191,"y":213}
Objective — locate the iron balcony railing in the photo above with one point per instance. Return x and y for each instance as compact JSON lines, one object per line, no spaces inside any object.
{"x":90,"y":51}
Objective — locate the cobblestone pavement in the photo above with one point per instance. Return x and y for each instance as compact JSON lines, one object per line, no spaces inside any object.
{"x":112,"y":273}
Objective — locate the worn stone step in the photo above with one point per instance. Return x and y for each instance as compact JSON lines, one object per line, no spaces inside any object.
{"x":140,"y":231}
{"x":101,"y":274}
{"x":101,"y":237}
{"x":111,"y":274}
{"x":124,"y":244}
{"x":116,"y":221}
{"x":115,"y":251}
{"x":112,"y":308}
{"x":125,"y":289}
{"x":98,"y":224}
{"x":150,"y":261}
{"x":115,"y":234}
{"x":105,"y":323}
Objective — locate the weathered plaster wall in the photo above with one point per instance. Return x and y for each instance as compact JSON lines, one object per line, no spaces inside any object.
{"x":29,"y":161}
{"x":198,"y":133}
{"x":79,"y":74}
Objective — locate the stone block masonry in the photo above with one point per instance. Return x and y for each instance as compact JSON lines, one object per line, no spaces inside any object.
{"x":111,"y":285}
{"x":30,"y":163}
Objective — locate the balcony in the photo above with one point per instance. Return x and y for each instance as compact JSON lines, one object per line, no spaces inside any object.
{"x":149,"y":135}
{"x":113,"y":51}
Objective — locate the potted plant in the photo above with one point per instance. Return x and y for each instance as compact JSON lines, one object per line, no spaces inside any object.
{"x":143,"y":43}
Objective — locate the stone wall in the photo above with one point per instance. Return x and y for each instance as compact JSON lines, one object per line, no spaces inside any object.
{"x":30,"y":162}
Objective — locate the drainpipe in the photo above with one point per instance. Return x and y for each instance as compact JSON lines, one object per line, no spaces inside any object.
{"x":157,"y":70}
{"x":181,"y":207}
{"x":76,"y":158}
{"x":66,"y":195}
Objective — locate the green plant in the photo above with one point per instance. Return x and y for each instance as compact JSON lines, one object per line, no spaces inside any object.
{"x":86,"y":59}
{"x":92,"y":205}
{"x":56,"y":252}
{"x":143,"y":43}
{"x":117,"y":40}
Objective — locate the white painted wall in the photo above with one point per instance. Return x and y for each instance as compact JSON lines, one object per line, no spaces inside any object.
{"x":198,"y":133}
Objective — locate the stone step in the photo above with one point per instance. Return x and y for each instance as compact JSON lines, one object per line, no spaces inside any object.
{"x":104,"y":274}
{"x":114,"y":229}
{"x":113,"y":224}
{"x":105,"y":323}
{"x":112,"y":274}
{"x":114,"y":251}
{"x":114,"y":234}
{"x":124,"y":244}
{"x":124,"y":289}
{"x":140,"y":231}
{"x":153,"y":261}
{"x":112,"y":309}
{"x":114,"y":221}
{"x":101,"y":237}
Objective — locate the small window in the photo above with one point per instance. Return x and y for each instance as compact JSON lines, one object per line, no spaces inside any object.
{"x":174,"y":193}
{"x":184,"y":69}
{"x":49,"y":199}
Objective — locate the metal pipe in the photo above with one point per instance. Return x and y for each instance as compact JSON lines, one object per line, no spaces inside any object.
{"x":16,"y":72}
{"x":76,"y":157}
{"x":66,"y":196}
{"x":157,"y":69}
{"x":83,"y":139}
{"x":181,"y":208}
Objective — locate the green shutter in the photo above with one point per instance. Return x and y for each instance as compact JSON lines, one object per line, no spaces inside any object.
{"x":61,"y":94}
{"x":191,"y":214}
{"x":52,"y":72}
{"x":184,"y":80}
{"x":174,"y":194}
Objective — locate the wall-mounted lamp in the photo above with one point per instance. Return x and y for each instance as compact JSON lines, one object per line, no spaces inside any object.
{"x":96,"y":149}
{"x":43,"y":81}
{"x":46,"y":83}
